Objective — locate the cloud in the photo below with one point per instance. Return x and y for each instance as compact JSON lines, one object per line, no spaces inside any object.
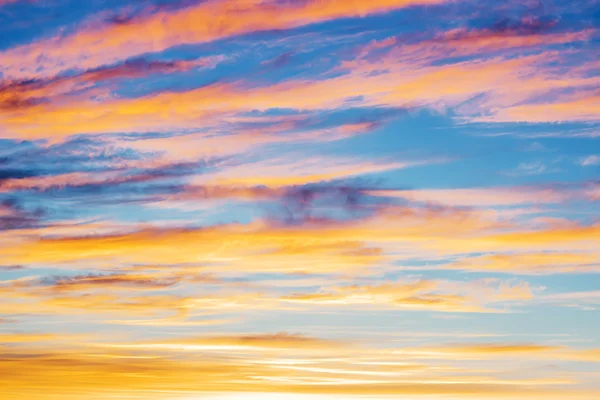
{"x":499,"y":83}
{"x":584,"y":300}
{"x":155,"y":113}
{"x":523,"y":88}
{"x":593,"y":192}
{"x":537,"y":263}
{"x":531,"y":168}
{"x":400,"y":86}
{"x":94,"y":46}
{"x":422,"y":74}
{"x":590,"y":161}
{"x":569,"y":237}
{"x":227,"y":243}
{"x":582,"y":108}
{"x":112,"y":282}
{"x":370,"y":236}
{"x":523,"y":34}
{"x":503,"y":350}
{"x":18,"y":96}
{"x":92,"y":306}
{"x":249,"y":136}
{"x":255,"y":363}
{"x":279,"y":172}
{"x":420,"y":295}
{"x":260,"y":249}
{"x":482,"y":197}
{"x":287,"y":204}
{"x":107,"y":179}
{"x":507,"y":37}
{"x":22,"y":338}
{"x":278,"y":341}
{"x":187,"y":229}
{"x":478,"y":351}
{"x":14,"y":216}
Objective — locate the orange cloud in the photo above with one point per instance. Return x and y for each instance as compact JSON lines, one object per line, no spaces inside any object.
{"x":521,"y":84}
{"x":91,"y":47}
{"x":26,"y":337}
{"x":531,"y":263}
{"x":228,"y":247}
{"x":279,"y":341}
{"x":21,"y":95}
{"x":400,"y":84}
{"x":81,"y":304}
{"x":402,"y":80}
{"x":314,"y":246}
{"x":421,"y":295}
{"x":575,"y":233}
{"x":256,"y":364}
{"x":495,"y":350}
{"x":138,"y":299}
{"x":232,"y":243}
{"x":569,"y":238}
{"x":580,"y":109}
{"x":401,"y":87}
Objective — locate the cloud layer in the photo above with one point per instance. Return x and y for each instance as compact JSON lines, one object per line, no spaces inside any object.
{"x":301,"y":199}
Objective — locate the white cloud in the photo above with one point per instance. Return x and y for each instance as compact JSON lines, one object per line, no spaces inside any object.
{"x":589,"y":161}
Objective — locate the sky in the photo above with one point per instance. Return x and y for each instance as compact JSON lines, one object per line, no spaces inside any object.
{"x":299,"y":199}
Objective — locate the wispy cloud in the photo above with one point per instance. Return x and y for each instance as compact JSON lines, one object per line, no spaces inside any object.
{"x":94,"y":46}
{"x":16,"y":96}
{"x":584,"y":108}
{"x":590,"y":161}
{"x":421,"y":295}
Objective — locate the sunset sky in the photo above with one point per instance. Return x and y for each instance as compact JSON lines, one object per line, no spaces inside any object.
{"x":299,"y":199}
